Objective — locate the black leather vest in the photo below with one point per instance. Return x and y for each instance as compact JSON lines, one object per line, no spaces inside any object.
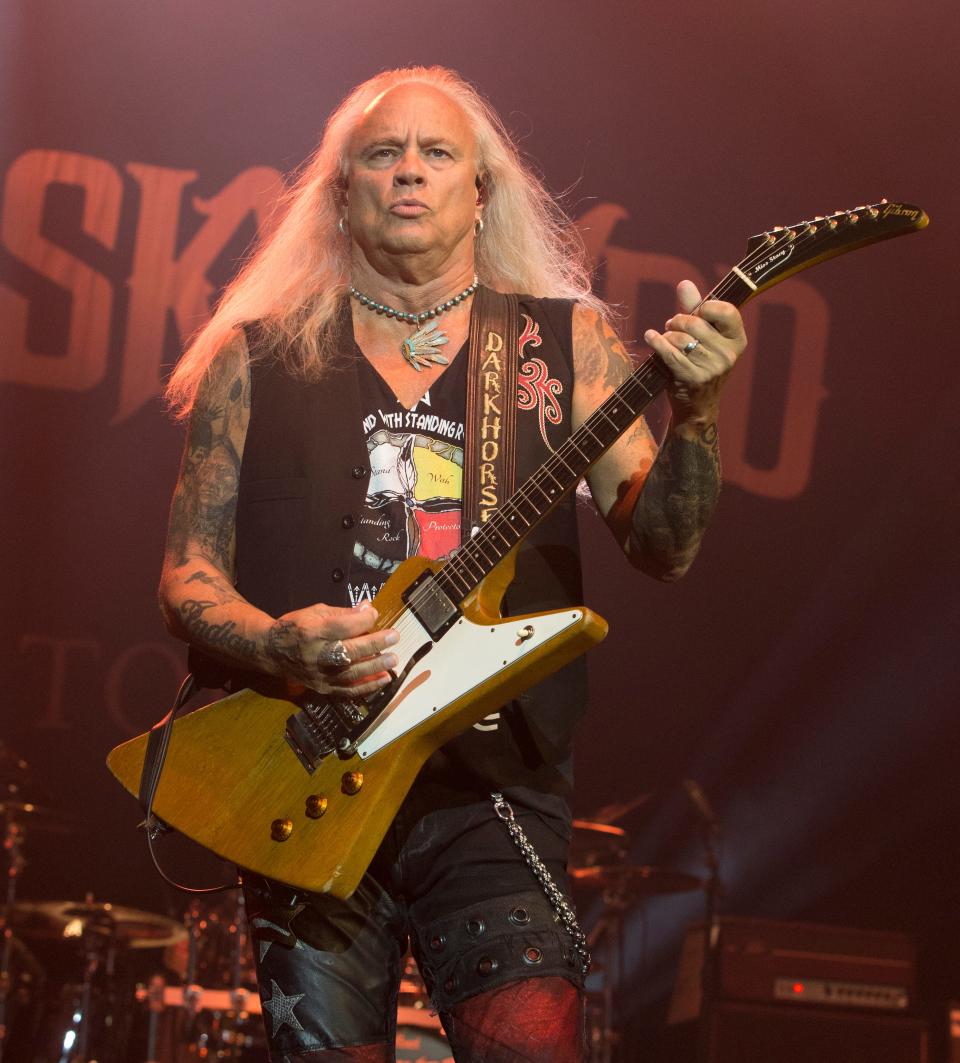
{"x":303,"y":479}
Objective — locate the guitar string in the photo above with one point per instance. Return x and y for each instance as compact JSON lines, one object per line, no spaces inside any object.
{"x":404,"y":620}
{"x":801,"y":236}
{"x":461,"y":558}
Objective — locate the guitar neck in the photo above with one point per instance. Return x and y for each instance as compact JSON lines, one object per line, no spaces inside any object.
{"x":771,"y":257}
{"x":558,"y":475}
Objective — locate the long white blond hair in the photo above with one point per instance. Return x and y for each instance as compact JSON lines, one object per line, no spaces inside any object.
{"x":297,"y":275}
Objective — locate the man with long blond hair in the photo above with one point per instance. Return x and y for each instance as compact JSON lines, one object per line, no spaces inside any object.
{"x":326,"y":403}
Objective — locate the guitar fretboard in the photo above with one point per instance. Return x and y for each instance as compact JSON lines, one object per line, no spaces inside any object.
{"x":552,"y":480}
{"x":772,"y":256}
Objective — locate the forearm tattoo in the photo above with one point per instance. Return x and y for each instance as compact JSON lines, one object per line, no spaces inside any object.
{"x":677,"y":501}
{"x":203,"y":514}
{"x":221,"y":637}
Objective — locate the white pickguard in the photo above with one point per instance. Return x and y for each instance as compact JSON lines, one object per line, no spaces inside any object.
{"x":466,"y":656}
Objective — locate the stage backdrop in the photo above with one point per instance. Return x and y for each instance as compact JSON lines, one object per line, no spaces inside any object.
{"x":804,"y":672}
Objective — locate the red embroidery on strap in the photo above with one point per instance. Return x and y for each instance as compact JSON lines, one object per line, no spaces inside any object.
{"x":537,"y":390}
{"x":530,"y":334}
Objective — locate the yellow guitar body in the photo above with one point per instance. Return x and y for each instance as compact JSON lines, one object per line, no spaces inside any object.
{"x":232,"y":782}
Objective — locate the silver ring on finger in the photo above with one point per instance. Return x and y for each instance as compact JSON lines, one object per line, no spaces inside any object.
{"x":689,"y":348}
{"x":334,"y":654}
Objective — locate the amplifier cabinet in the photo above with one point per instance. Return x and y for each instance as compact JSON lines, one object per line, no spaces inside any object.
{"x":779,"y":1033}
{"x":762,"y":960}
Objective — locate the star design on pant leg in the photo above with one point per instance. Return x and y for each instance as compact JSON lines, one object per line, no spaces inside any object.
{"x":281,"y":1008}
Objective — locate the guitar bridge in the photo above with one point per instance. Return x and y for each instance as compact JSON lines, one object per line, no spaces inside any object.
{"x":324,"y":727}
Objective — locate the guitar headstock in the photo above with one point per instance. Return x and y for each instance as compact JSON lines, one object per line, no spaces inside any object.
{"x":784,"y":250}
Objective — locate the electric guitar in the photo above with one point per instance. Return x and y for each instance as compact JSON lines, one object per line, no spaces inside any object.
{"x":304,"y":790}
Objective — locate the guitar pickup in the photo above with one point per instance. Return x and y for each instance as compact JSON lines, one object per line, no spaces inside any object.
{"x":435,"y":610}
{"x":324,"y":727}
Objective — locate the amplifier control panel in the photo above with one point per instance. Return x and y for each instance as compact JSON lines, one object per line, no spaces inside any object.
{"x":842,"y":994}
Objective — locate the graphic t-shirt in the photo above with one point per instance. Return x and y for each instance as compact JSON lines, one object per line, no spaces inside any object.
{"x":413,"y":502}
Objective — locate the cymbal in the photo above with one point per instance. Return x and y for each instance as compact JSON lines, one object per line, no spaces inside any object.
{"x":65,"y":920}
{"x":635,"y":880}
{"x":619,"y":809}
{"x":595,"y":843}
{"x":599,"y":828}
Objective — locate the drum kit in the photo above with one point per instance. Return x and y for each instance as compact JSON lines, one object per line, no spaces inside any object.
{"x":85,"y":981}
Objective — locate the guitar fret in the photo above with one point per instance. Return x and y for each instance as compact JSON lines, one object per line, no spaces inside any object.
{"x":450,"y":569}
{"x":477,"y":543}
{"x":493,"y":524}
{"x":530,"y":502}
{"x":546,"y":494}
{"x":517,"y":513}
{"x":586,"y":427}
{"x":757,"y":271}
{"x":579,"y":453}
{"x":603,"y":413}
{"x":602,"y":433}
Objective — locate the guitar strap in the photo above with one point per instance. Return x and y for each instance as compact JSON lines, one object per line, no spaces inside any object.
{"x":491,"y":416}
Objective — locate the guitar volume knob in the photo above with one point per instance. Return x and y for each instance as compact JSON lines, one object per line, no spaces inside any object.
{"x":351,"y":782}
{"x":281,"y":829}
{"x":316,"y":806}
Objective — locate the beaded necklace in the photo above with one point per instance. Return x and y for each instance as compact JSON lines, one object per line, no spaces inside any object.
{"x":421,"y":348}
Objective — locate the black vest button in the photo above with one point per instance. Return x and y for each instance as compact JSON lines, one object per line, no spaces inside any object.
{"x":337,"y":575}
{"x":347,"y":521}
{"x":358,"y":472}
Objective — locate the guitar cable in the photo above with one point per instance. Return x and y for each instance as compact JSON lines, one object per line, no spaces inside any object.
{"x":153,"y":760}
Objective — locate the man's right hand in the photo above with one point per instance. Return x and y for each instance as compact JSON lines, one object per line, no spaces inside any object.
{"x":305,"y":646}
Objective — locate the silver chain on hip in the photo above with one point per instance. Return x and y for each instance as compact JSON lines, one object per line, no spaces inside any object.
{"x":559,"y":903}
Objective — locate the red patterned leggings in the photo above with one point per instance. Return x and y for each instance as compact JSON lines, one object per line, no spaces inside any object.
{"x":535,"y":1020}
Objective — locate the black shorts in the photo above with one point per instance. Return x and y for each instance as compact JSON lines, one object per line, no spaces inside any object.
{"x":452,"y":884}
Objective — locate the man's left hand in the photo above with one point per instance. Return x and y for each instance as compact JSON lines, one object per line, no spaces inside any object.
{"x":698,"y":373}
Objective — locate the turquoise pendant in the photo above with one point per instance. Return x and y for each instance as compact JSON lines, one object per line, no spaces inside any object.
{"x":420,"y":349}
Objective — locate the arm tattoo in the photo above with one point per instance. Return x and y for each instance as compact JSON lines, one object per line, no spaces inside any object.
{"x":222,"y":594}
{"x":203,"y":513}
{"x":600,"y":356}
{"x":676,"y":503}
{"x":197,"y":596}
{"x":222,"y":637}
{"x":618,"y":366}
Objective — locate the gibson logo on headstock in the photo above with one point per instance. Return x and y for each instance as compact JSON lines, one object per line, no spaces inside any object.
{"x":900,"y":211}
